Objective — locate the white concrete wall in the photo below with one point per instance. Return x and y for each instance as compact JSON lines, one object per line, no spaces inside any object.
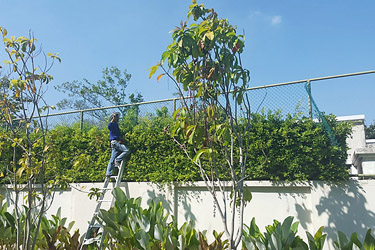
{"x":348,"y":207}
{"x":357,"y":139}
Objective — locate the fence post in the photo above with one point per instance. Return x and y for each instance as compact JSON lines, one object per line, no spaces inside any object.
{"x":309,"y":99}
{"x":136,"y":113}
{"x":81,"y":121}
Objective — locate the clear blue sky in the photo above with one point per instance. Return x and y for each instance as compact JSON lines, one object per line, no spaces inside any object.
{"x":285,"y":41}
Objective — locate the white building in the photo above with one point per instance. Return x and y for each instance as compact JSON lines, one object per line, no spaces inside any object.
{"x":361,"y":153}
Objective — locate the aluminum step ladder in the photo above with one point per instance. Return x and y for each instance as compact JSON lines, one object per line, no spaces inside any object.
{"x":95,"y":232}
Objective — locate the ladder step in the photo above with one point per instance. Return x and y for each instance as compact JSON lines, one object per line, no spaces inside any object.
{"x":90,"y":241}
{"x":95,"y":226}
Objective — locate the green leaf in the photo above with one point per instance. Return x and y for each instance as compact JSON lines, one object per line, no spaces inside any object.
{"x":294,"y":227}
{"x":311,"y":241}
{"x":165,"y":55}
{"x":142,"y":238}
{"x":20,"y":171}
{"x":354,"y":239}
{"x":318,"y":233}
{"x":316,"y":242}
{"x":153,"y":70}
{"x":10,"y":219}
{"x":200,"y":153}
{"x":369,"y":243}
{"x":24,"y":47}
{"x":254,"y":229}
{"x":58,"y":214}
{"x":230,"y":34}
{"x":286,"y":226}
{"x":195,"y":51}
{"x":175,"y":59}
{"x":6,"y":62}
{"x":342,"y":240}
{"x":239,"y":97}
{"x":124,"y":232}
{"x":32,"y":48}
{"x":3,"y":31}
{"x":200,"y":92}
{"x":176,"y":113}
{"x":247,"y":195}
{"x":190,"y":130}
{"x":119,"y":195}
{"x":209,"y":35}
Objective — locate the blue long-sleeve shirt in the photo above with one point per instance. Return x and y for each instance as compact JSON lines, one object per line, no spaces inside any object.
{"x":114,"y":131}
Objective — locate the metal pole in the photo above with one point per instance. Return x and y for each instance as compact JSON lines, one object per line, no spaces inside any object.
{"x":314,"y":79}
{"x":81,"y":121}
{"x":309,"y":99}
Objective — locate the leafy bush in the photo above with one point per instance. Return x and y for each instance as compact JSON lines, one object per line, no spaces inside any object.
{"x":53,"y":234}
{"x":155,"y":157}
{"x":296,"y":149}
{"x":78,"y":155}
{"x":282,"y":148}
{"x":343,"y":243}
{"x":280,"y":236}
{"x":128,"y":225}
{"x":7,"y":228}
{"x":277,"y":236}
{"x":84,"y":155}
{"x":284,"y":236}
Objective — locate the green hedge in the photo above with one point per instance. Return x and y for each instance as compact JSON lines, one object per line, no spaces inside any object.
{"x":296,"y":149}
{"x":282,"y":148}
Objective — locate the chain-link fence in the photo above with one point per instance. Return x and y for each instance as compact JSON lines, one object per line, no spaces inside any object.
{"x":100,"y":116}
{"x":286,"y":98}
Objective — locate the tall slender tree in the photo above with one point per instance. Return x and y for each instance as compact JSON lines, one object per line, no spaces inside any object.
{"x":215,"y":115}
{"x":21,"y":107}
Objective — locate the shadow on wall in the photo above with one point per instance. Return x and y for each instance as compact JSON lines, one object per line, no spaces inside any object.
{"x":300,"y":192}
{"x":180,"y":197}
{"x":345,"y":206}
{"x":304,"y":217}
{"x":186,"y":200}
{"x":159,"y":197}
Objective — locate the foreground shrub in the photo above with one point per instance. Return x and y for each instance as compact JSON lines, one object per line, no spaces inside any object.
{"x":53,"y":233}
{"x":353,"y":242}
{"x":284,"y":236}
{"x":129,"y":226}
{"x":280,"y":236}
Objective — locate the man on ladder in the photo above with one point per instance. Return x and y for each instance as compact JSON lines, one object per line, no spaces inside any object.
{"x":119,"y":150}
